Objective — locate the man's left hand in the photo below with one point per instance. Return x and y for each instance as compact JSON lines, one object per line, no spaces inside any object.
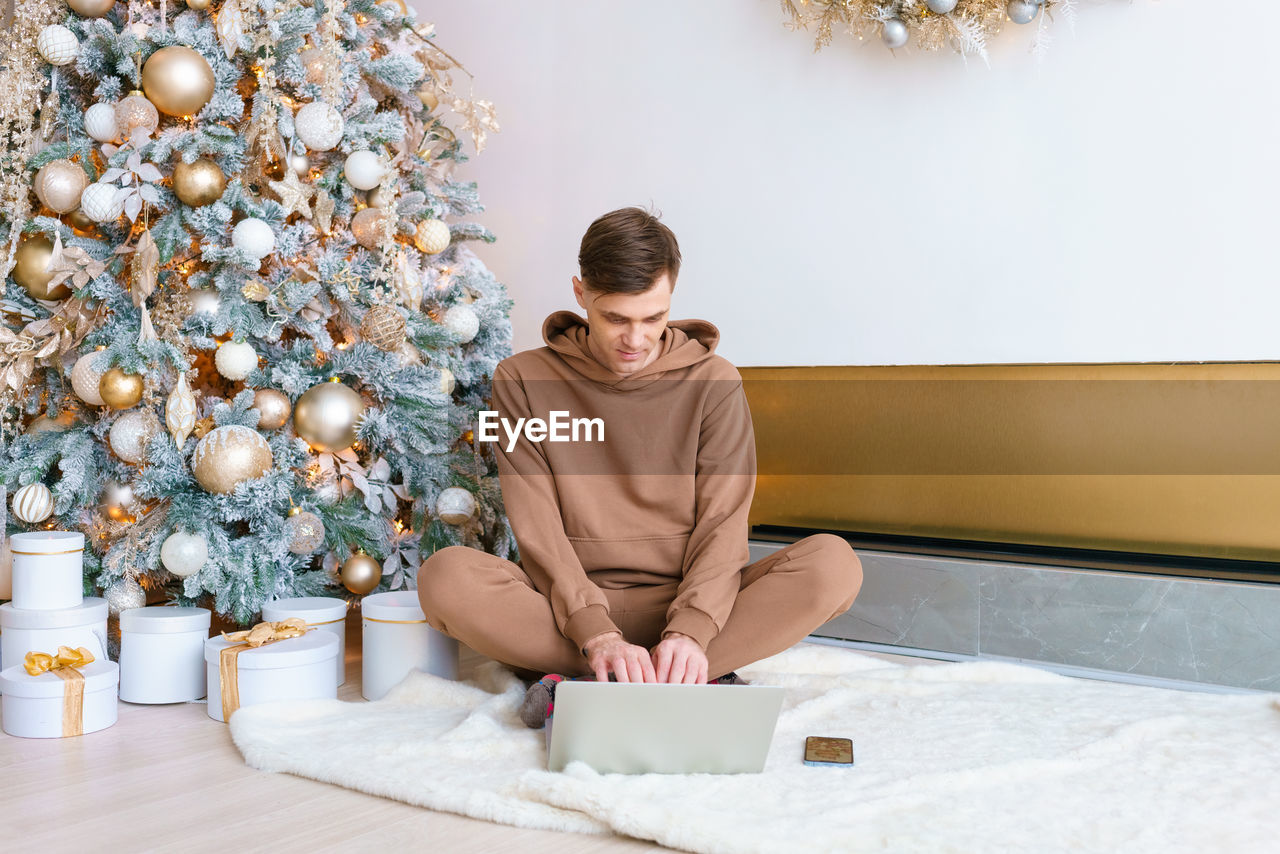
{"x":679,"y":659}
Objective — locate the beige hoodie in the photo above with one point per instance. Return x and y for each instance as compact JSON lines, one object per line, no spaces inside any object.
{"x":662,"y":499}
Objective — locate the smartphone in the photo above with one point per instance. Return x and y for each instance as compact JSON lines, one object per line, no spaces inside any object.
{"x":820,"y":750}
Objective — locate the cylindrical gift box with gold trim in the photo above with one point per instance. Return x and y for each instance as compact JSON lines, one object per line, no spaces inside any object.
{"x":47,"y":706}
{"x":24,"y":630}
{"x":398,"y":640}
{"x":48,"y":570}
{"x":326,"y":613}
{"x":162,"y":654}
{"x":299,"y":668}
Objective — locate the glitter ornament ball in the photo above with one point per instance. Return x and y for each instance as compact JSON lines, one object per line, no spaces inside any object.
{"x":366,"y":227}
{"x":31,"y":268}
{"x":327,"y":415}
{"x":319,"y":126}
{"x":120,"y":390}
{"x":456,"y":505}
{"x":135,"y":111}
{"x":100,"y":122}
{"x":199,"y":183}
{"x":273,"y":408}
{"x":61,"y":183}
{"x":235,"y":359}
{"x":33,"y":503}
{"x":90,"y":8}
{"x":431,"y":236}
{"x":462,"y":321}
{"x":178,"y":80}
{"x":383,"y":327}
{"x":58,"y":45}
{"x":124,"y":594}
{"x":940,"y":7}
{"x":361,"y":574}
{"x":131,"y":432}
{"x":229,"y":455}
{"x":183,"y":554}
{"x":895,"y":33}
{"x":101,"y":202}
{"x":253,"y":237}
{"x":1022,"y":11}
{"x":86,"y":376}
{"x":363,"y":170}
{"x":304,"y":532}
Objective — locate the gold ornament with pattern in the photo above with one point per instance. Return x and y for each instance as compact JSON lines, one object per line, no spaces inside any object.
{"x":383,"y":327}
{"x":199,"y":183}
{"x":228,"y":456}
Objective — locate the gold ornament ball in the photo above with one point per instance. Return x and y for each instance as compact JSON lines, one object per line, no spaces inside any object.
{"x":326,"y":416}
{"x":178,"y":80}
{"x":379,"y":198}
{"x":273,"y":408}
{"x":229,"y":455}
{"x":361,"y":574}
{"x":80,"y":221}
{"x":31,"y":268}
{"x":91,"y":8}
{"x":59,"y":184}
{"x":199,"y":5}
{"x":45,"y":424}
{"x":120,"y":390}
{"x":366,"y":227}
{"x":135,"y":111}
{"x":383,"y":327}
{"x":428,"y":97}
{"x":431,"y":236}
{"x":199,"y":183}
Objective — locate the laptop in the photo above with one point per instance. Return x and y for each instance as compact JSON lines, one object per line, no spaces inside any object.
{"x":649,"y":728}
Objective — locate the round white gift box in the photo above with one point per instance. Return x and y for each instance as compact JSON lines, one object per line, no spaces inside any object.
{"x":32,"y":705}
{"x":397,"y":639}
{"x":23,"y":631}
{"x":162,"y":654}
{"x":48,"y":570}
{"x":295,"y":669}
{"x":324,"y":613}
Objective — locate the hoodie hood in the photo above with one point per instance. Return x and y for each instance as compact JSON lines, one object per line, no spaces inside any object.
{"x":683,"y":343}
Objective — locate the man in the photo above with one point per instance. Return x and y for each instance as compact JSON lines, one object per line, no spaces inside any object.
{"x":633,"y":537}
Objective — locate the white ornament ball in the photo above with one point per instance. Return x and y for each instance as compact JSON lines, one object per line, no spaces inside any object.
{"x":455,"y":505}
{"x":300,"y":165}
{"x":940,"y":7}
{"x":363,"y":170}
{"x":100,"y":122}
{"x":462,"y":321}
{"x":33,"y":503}
{"x":125,"y":594}
{"x":183,"y":553}
{"x":131,"y":432}
{"x":1022,"y":11}
{"x":86,"y":375}
{"x":895,"y":33}
{"x":319,"y":126}
{"x":57,"y":45}
{"x":304,"y":532}
{"x":253,"y":237}
{"x":447,"y":381}
{"x":431,"y":236}
{"x":235,"y":359}
{"x":101,"y":202}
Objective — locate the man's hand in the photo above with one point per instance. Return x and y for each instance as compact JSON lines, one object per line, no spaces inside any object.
{"x":628,"y":662}
{"x":679,"y":659}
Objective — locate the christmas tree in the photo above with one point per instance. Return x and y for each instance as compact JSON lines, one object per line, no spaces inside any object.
{"x":244,"y":341}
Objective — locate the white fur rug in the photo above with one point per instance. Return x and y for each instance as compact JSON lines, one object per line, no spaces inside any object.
{"x":976,"y":756}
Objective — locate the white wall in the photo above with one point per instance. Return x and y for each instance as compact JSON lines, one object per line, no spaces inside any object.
{"x":1115,"y":202}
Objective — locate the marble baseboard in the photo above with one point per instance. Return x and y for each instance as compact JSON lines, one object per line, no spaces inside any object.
{"x":1185,"y":629}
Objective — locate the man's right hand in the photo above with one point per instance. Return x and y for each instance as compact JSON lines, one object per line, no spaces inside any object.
{"x":611,"y":653}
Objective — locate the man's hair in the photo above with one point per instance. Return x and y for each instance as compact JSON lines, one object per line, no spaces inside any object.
{"x":626,"y":251}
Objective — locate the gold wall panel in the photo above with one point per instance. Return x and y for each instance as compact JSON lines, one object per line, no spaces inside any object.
{"x":1172,"y":459}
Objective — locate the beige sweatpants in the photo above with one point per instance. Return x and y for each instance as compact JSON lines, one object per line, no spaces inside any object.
{"x":491,"y":605}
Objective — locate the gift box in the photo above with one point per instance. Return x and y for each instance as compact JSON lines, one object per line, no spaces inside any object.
{"x":298,"y":668}
{"x":48,"y":570}
{"x":318,"y":612}
{"x":23,"y":630}
{"x":162,"y":654}
{"x":60,"y":703}
{"x":397,"y":639}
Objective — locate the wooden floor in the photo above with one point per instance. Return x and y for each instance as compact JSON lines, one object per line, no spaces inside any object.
{"x":168,"y":778}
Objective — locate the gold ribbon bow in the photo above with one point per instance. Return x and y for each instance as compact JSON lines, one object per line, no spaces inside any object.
{"x":260,"y":635}
{"x":64,"y":664}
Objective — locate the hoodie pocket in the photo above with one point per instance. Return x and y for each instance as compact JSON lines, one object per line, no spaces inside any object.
{"x":658,"y":555}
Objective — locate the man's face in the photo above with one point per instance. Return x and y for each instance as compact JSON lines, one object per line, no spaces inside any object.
{"x":625,"y":328}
